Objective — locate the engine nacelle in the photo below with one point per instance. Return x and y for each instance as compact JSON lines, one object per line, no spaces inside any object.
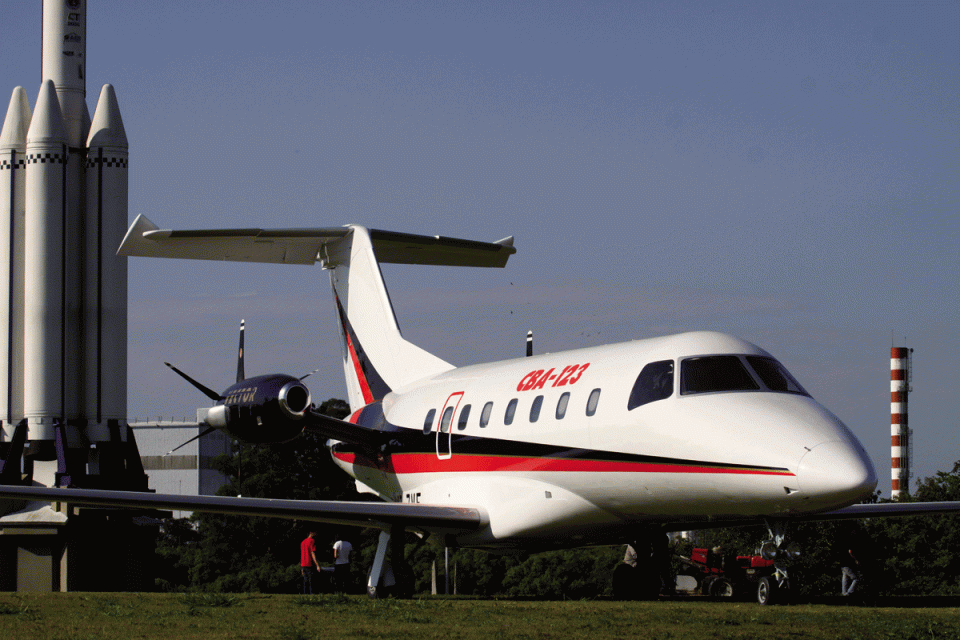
{"x":261,"y":410}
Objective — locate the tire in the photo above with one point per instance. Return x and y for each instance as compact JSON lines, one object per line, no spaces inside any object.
{"x":721,"y":588}
{"x":706,"y":585}
{"x":767,"y":591}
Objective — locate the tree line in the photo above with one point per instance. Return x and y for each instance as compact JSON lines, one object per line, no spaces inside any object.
{"x":213,"y":552}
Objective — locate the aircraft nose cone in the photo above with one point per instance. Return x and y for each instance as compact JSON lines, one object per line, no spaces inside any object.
{"x":835,"y":474}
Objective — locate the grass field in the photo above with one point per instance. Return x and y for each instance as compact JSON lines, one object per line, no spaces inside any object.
{"x":76,"y":616}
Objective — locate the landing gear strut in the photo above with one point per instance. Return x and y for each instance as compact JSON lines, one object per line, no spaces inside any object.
{"x":776,"y":588}
{"x":390,"y":576}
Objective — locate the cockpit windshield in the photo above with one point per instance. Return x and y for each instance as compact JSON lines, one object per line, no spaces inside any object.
{"x":711,"y":374}
{"x":774,"y":375}
{"x":714,"y":374}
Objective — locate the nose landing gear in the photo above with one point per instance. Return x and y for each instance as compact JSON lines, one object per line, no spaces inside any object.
{"x":777,"y":588}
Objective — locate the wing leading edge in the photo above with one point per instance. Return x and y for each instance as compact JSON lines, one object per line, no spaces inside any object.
{"x":381,"y":515}
{"x":384,"y":515}
{"x":853,"y":512}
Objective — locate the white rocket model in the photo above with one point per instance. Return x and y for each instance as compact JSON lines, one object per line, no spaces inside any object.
{"x":63,"y":213}
{"x":13,"y":151}
{"x":44,"y":265}
{"x":105,"y":273}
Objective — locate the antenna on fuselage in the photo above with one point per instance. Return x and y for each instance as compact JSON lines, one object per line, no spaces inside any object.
{"x":529,"y":343}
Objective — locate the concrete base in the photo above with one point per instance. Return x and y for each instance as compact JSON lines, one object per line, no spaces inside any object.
{"x":76,"y":549}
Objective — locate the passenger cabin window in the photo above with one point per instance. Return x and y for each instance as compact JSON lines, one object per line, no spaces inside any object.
{"x":562,"y":405}
{"x":774,"y":375}
{"x":592,"y":402}
{"x":485,"y":414}
{"x":511,"y":411}
{"x":428,"y":421}
{"x":464,"y":416}
{"x":712,"y":374}
{"x":535,"y":408}
{"x":445,"y":420}
{"x":655,"y":382}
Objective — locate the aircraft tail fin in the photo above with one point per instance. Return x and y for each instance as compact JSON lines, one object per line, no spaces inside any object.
{"x":376,"y":358}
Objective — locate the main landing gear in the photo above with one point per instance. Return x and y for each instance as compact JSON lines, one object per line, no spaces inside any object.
{"x":777,"y":588}
{"x":651,"y":573}
{"x":390,"y":577}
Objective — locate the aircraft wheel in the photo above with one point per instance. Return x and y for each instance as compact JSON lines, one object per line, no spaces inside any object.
{"x":767,"y":591}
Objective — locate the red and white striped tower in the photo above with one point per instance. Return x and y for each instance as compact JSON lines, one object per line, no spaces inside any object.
{"x":899,"y":429}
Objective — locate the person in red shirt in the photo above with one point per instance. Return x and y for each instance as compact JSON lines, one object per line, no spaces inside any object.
{"x":308,"y":561}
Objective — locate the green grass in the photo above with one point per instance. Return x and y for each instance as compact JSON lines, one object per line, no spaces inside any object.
{"x":76,"y":616}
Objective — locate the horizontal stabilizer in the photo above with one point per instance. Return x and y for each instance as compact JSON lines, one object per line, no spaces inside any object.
{"x":287,"y":246}
{"x":306,"y":246}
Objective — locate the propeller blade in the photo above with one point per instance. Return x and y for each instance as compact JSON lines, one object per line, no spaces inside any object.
{"x":240,"y":376}
{"x":213,"y":395}
{"x":205,"y":432}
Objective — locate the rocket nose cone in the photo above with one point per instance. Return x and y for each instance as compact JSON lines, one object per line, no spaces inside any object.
{"x":107,"y":130}
{"x":46,"y":125}
{"x":836,"y":473}
{"x":16,"y":123}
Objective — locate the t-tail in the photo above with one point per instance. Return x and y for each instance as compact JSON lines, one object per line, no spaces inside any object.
{"x":376,"y":357}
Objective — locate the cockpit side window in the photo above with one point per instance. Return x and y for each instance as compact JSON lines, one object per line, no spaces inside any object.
{"x":711,"y":374}
{"x":655,"y":382}
{"x":775,"y":376}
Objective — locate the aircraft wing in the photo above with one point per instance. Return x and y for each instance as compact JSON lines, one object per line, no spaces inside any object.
{"x":381,"y":515}
{"x":306,"y":246}
{"x":853,"y":512}
{"x":344,"y":431}
{"x":888,"y":509}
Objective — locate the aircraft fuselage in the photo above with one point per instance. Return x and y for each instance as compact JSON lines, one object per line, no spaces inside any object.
{"x":595,"y":443}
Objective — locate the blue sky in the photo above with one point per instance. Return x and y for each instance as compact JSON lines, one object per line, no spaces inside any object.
{"x":787,"y":172}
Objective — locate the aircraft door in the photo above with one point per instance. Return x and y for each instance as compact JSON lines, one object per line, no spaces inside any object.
{"x":445,"y":426}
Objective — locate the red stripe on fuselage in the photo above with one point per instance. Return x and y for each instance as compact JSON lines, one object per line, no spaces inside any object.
{"x":460,"y":463}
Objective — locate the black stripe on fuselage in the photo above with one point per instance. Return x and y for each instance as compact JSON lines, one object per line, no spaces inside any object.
{"x":403,"y":440}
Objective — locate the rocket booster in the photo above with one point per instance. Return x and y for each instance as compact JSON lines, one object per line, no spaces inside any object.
{"x":105,"y":273}
{"x":44,"y":266}
{"x":13,"y":147}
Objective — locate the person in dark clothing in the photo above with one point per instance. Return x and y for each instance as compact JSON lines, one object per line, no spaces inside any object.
{"x":850,"y":569}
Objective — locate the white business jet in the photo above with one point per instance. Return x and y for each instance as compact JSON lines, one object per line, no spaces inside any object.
{"x":603,"y":445}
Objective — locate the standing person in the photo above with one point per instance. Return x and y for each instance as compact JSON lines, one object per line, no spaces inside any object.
{"x":850,"y":568}
{"x":341,"y":563}
{"x":308,"y":561}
